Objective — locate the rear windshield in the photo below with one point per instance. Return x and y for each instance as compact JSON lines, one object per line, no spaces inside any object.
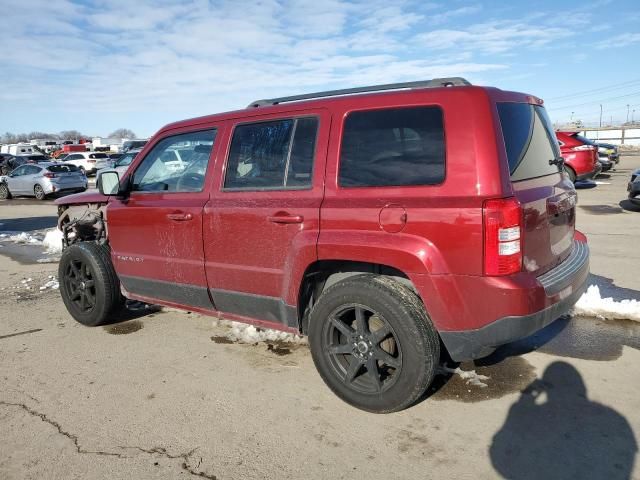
{"x":584,"y":140}
{"x":529,"y":140}
{"x":63,"y":168}
{"x":98,"y":155}
{"x":37,"y":157}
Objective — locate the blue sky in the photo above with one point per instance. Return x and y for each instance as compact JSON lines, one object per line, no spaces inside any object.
{"x":100,"y":65}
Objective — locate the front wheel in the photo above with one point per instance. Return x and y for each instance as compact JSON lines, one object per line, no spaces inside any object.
{"x":373,"y":343}
{"x":89,"y":286}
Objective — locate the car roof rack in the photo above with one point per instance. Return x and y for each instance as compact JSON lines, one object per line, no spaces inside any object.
{"x":434,"y":83}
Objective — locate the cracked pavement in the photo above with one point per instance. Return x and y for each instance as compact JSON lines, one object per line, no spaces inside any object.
{"x":159,"y":398}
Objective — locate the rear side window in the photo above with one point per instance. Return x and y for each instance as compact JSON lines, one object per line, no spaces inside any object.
{"x":393,"y":147}
{"x":529,"y":140}
{"x":63,"y":168}
{"x":272,"y":155}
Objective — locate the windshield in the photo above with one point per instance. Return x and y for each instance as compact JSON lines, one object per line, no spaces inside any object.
{"x":529,"y":140}
{"x":63,"y":168}
{"x":125,"y":160}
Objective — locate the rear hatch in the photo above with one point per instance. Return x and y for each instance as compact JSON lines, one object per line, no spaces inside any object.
{"x":65,"y":173}
{"x":547,"y":198}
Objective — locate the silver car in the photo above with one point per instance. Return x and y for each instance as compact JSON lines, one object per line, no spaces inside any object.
{"x":42,"y":179}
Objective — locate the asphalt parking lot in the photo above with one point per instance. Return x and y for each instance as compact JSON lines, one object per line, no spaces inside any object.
{"x":167,"y":394}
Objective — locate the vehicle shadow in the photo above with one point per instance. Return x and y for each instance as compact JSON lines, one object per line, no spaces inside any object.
{"x":28,"y":224}
{"x":628,"y":206}
{"x":555,"y":431}
{"x":134,"y":310}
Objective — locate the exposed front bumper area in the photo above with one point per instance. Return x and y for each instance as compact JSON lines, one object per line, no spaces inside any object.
{"x":590,"y":175}
{"x":562,"y":287}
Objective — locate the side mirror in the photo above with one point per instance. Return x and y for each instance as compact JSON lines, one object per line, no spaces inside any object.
{"x":109,"y":183}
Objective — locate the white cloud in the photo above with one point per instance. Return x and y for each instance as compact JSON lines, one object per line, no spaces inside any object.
{"x":493,"y":37}
{"x":622,"y":40}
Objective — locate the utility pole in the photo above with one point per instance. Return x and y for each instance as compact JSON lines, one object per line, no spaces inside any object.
{"x":572,"y":116}
{"x":600,"y":115}
{"x":627,"y":113}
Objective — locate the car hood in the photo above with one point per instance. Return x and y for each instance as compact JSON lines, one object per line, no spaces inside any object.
{"x":85,"y":197}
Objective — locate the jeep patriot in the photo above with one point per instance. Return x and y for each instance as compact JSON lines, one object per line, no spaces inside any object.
{"x":387,"y":223}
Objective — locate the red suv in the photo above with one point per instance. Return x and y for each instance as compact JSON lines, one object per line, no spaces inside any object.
{"x":580,"y":156}
{"x":383,"y":222}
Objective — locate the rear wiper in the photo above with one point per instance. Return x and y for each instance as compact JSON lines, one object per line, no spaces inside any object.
{"x":557,"y":161}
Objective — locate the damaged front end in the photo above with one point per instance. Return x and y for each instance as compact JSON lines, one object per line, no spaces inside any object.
{"x":82,"y":223}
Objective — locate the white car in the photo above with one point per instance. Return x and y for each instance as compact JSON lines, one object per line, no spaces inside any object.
{"x":88,"y":162}
{"x":121,"y":165}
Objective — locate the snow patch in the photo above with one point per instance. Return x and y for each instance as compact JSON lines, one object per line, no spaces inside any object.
{"x":592,"y":304}
{"x":23,"y":237}
{"x":53,"y":241}
{"x":52,"y":284}
{"x":244,"y":333}
{"x":471,"y":377}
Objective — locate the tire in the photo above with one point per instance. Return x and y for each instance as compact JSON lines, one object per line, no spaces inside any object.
{"x":38,"y":191}
{"x":89,"y":286}
{"x":570,"y":173}
{"x":379,"y":372}
{"x":5,"y":194}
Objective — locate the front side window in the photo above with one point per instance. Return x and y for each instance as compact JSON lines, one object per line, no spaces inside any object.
{"x":393,"y":147}
{"x":272,"y":155}
{"x":176,"y":164}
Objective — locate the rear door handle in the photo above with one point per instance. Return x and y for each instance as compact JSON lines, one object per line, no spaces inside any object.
{"x":285,"y":218}
{"x":179,"y":216}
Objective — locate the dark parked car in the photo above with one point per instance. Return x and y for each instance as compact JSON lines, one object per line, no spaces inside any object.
{"x":634,"y":188}
{"x":608,"y":151}
{"x":382,"y":224}
{"x":9,"y":162}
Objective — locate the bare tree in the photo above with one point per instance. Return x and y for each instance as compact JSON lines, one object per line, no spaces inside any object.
{"x":122,"y":133}
{"x":71,"y":135}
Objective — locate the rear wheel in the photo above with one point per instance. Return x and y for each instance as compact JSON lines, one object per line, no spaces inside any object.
{"x":39,"y":192}
{"x":5,"y":194}
{"x":373,"y":343}
{"x":89,"y":285}
{"x":570,"y":173}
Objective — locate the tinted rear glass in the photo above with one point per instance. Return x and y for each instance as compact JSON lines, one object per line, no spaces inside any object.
{"x":63,"y":168}
{"x":584,"y":140}
{"x":529,"y":140}
{"x":98,"y":155}
{"x":393,"y":147}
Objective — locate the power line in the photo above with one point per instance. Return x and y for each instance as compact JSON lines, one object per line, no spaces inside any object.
{"x":595,"y":102}
{"x":615,"y":86}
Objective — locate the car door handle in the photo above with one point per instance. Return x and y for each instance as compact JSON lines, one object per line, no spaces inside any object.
{"x":179,"y":216}
{"x":285,"y":218}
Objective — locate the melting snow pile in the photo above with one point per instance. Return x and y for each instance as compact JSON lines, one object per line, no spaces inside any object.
{"x":53,"y":241}
{"x":593,"y":305}
{"x":243,"y":333}
{"x":22,"y":237}
{"x":471,"y":377}
{"x":52,"y":284}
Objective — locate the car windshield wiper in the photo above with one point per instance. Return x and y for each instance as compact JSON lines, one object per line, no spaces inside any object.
{"x":557,"y":161}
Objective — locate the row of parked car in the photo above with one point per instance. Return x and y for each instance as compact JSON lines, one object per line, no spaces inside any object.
{"x":583,"y":158}
{"x":38,"y":175}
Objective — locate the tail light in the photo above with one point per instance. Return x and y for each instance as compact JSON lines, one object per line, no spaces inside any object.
{"x":50,"y":175}
{"x":91,"y":161}
{"x":502,"y":219}
{"x":581,"y":148}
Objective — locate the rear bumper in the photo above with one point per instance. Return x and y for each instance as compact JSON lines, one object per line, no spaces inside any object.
{"x":592,"y":174}
{"x":527,"y":305}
